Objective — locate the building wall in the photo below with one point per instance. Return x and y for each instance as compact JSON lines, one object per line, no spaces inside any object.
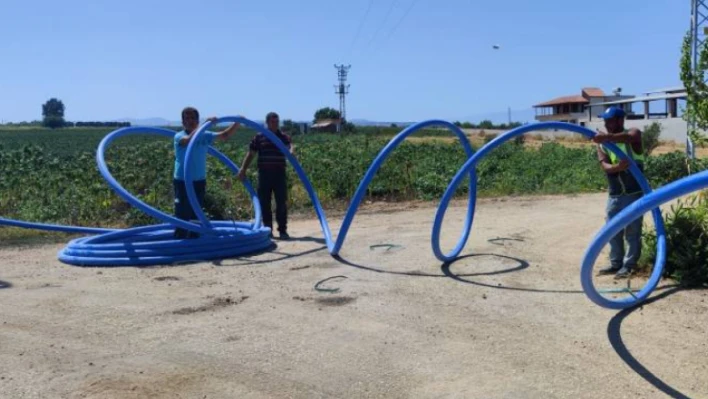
{"x":599,"y":109}
{"x":562,"y":117}
{"x":672,"y":129}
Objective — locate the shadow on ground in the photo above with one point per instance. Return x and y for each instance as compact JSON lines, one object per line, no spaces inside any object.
{"x":320,"y":241}
{"x":614,"y":333}
{"x":522,"y":265}
{"x":247,"y":260}
{"x":464,"y":278}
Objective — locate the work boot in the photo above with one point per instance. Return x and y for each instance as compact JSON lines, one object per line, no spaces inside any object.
{"x":623,"y":273}
{"x":609,"y":270}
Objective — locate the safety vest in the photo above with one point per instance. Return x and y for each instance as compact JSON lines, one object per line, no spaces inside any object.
{"x":615,"y":159}
{"x":624,"y":183}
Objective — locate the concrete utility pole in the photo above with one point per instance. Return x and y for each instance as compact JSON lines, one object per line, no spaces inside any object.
{"x":342,"y":89}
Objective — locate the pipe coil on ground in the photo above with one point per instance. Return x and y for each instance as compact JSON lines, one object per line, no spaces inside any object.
{"x":152,"y":245}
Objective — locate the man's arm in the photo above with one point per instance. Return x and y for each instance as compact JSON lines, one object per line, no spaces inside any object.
{"x":289,"y":144}
{"x":607,"y":165}
{"x":634,"y":136}
{"x":246,"y":163}
{"x":222,"y":135}
{"x":253,"y":149}
{"x":226,"y":133}
{"x":185,"y":140}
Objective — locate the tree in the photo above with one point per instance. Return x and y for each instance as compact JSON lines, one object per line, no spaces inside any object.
{"x":331,"y":113}
{"x":486,"y":124}
{"x":53,"y":113}
{"x":326,"y":113}
{"x":696,"y":90}
{"x":291,"y":127}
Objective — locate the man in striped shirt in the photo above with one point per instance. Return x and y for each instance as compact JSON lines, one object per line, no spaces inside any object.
{"x":271,"y":174}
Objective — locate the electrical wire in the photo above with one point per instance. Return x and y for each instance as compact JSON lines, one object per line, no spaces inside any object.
{"x":361,"y":25}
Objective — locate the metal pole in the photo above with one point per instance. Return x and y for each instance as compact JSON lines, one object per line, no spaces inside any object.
{"x":699,"y":24}
{"x":342,"y":89}
{"x":691,"y":123}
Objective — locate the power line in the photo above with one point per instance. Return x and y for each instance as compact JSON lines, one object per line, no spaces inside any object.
{"x":403,"y":17}
{"x":361,"y":25}
{"x":393,"y":4}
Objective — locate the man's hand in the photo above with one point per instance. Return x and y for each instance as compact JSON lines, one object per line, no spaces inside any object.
{"x":622,"y":166}
{"x":241,"y":175}
{"x":226,"y":133}
{"x":212,"y":119}
{"x":600,"y":137}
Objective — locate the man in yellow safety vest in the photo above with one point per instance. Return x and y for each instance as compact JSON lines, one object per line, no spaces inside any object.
{"x":623,"y":188}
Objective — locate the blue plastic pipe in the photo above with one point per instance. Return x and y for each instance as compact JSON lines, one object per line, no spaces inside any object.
{"x":587,"y":277}
{"x":103,"y":169}
{"x":661,"y":196}
{"x":53,"y":227}
{"x":335,"y":246}
{"x":150,"y":245}
{"x":154,"y":244}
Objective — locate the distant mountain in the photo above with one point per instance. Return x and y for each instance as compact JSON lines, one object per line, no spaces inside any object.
{"x":365,"y":122}
{"x":518,"y":115}
{"x":526,"y":115}
{"x":523,"y":116}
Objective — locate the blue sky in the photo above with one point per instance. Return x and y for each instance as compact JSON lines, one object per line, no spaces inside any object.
{"x":140,"y":59}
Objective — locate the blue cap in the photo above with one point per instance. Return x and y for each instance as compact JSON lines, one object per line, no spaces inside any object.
{"x":612,"y":112}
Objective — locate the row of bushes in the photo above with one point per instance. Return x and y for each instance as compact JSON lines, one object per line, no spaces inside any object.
{"x":38,"y":185}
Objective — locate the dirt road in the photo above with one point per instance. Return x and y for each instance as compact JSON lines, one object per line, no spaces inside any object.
{"x":509,"y":322}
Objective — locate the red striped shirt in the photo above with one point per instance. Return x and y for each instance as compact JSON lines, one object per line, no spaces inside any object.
{"x":269,"y":156}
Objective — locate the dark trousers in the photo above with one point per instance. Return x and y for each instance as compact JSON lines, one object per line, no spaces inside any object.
{"x":183,"y":209}
{"x":273,"y":181}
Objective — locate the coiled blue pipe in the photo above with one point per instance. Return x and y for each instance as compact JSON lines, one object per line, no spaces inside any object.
{"x":586,"y":276}
{"x":335,"y":246}
{"x":661,"y":196}
{"x":153,"y":244}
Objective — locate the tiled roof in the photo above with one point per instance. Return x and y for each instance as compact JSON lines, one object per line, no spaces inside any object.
{"x":564,"y":100}
{"x":593,"y":92}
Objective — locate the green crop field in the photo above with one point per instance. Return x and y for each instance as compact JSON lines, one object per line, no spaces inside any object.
{"x":52,"y":177}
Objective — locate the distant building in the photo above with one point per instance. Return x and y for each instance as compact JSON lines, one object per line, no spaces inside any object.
{"x":584,"y":109}
{"x":575,"y":108}
{"x":326,"y":125}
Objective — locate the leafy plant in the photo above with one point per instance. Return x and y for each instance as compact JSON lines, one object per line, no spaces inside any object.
{"x":696,"y":89}
{"x":650,"y":137}
{"x":52,"y":177}
{"x":687,"y":242}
